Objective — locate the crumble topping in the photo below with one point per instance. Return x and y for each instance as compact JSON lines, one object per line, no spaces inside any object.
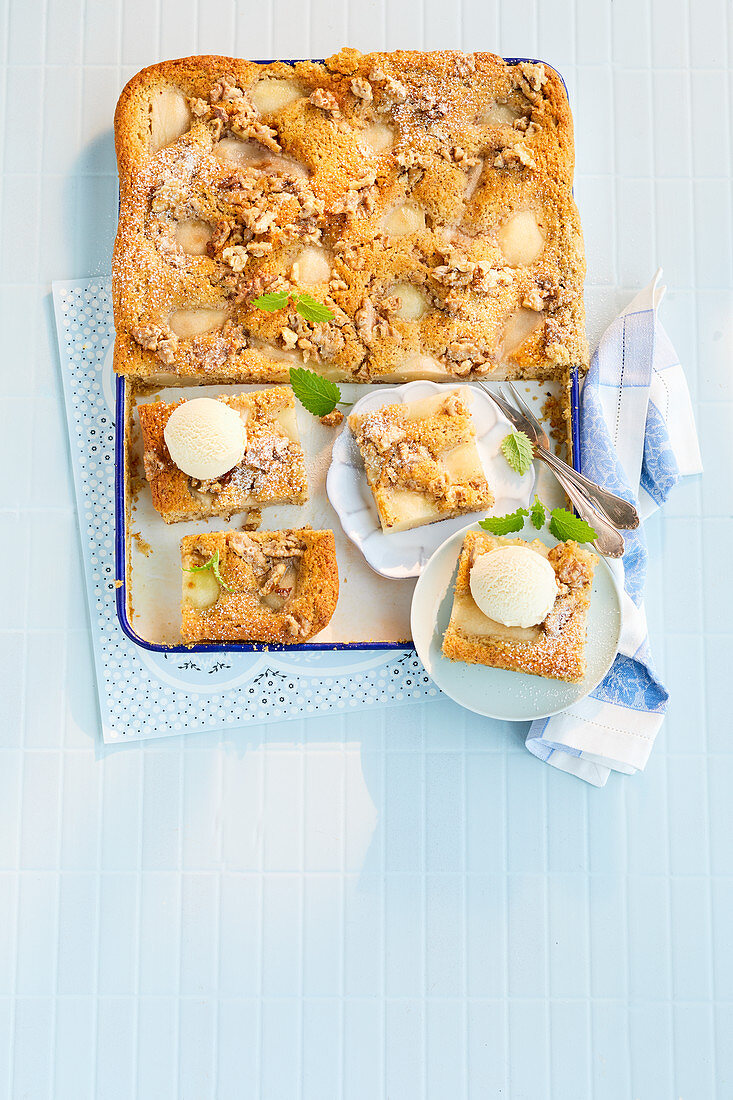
{"x":362,"y":89}
{"x":229,"y":111}
{"x":326,"y":101}
{"x":534,"y":78}
{"x":512,"y":155}
{"x":274,"y":560}
{"x":405,"y":453}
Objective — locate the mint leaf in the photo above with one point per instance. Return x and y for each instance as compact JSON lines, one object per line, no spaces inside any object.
{"x":272,"y":302}
{"x":316,"y":394}
{"x":518,"y":451}
{"x":564,"y":525}
{"x":312,"y":310}
{"x":504,"y":525}
{"x":213,"y":565}
{"x":537,"y":514}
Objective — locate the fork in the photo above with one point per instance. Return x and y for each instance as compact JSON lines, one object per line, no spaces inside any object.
{"x":608,"y":541}
{"x":617,"y":511}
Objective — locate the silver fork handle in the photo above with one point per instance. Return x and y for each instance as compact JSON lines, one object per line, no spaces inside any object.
{"x":615,"y":509}
{"x":608,"y":541}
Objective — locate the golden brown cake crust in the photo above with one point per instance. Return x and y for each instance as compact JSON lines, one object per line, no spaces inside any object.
{"x":272,"y":470}
{"x":402,"y":170}
{"x":557,"y":651}
{"x":250,"y":563}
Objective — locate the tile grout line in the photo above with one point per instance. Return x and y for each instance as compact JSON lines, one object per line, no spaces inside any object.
{"x":139,"y":914}
{"x":464,"y":906}
{"x":260,"y":1037}
{"x":302,"y":758}
{"x":546,"y":926}
{"x":424,"y":893}
{"x":615,"y":253}
{"x":218,"y":917}
{"x":383,"y":914}
{"x":665,"y":770}
{"x":589,"y":932}
{"x":96,"y":954}
{"x":344,"y":820}
{"x":507,"y":926}
{"x":13,"y":1022}
{"x":710,"y":897}
{"x":180,"y":929}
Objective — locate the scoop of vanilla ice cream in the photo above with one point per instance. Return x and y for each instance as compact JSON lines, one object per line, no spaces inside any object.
{"x":513,"y":585}
{"x":205,"y":437}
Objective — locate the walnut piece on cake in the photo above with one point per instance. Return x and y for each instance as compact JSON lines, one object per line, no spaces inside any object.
{"x":276,"y":586}
{"x":424,"y":197}
{"x":555,"y":648}
{"x":272,"y":469}
{"x":421,"y":460}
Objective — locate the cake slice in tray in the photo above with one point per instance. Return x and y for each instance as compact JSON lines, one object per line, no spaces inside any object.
{"x":265,"y":586}
{"x":421,"y":460}
{"x":521,"y":606}
{"x":218,"y":456}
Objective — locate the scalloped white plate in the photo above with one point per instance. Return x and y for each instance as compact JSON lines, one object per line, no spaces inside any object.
{"x":401,"y":554}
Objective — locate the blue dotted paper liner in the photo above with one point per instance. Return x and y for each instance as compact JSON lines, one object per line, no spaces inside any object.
{"x":146,"y":694}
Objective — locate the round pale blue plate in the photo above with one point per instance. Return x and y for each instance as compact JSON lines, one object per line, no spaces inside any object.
{"x":495,"y":692}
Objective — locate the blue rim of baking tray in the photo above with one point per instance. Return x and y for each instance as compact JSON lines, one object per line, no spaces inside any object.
{"x":257,"y":647}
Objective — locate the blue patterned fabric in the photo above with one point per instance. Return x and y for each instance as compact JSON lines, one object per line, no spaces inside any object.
{"x":601,"y":464}
{"x":659,"y":472}
{"x":632,"y":681}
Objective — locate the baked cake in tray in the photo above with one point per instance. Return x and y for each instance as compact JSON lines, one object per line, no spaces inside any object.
{"x":556,"y":647}
{"x":272,"y":469}
{"x":265,"y":586}
{"x":424,"y":198}
{"x":421,"y":460}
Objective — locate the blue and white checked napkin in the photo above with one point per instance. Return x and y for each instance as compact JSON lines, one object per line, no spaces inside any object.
{"x":637,"y":438}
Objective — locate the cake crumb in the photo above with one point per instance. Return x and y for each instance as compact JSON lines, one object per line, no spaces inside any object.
{"x":252,"y":520}
{"x":143,"y":546}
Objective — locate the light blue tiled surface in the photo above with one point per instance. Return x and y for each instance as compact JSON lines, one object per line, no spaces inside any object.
{"x":402,"y":905}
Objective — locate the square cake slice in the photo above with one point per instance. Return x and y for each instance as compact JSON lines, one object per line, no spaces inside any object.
{"x":265,"y":586}
{"x":272,"y":469}
{"x":421,"y":460}
{"x":555,"y":648}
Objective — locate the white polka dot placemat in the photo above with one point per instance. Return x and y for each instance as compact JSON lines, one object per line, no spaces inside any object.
{"x":155,"y":694}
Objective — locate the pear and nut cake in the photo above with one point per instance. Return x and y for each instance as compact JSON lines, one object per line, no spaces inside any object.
{"x":421,"y":460}
{"x":264,"y":586}
{"x":553,"y":648}
{"x":271,"y":469}
{"x":423,"y":199}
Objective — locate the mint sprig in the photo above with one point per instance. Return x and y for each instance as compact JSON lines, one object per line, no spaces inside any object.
{"x":564,"y":525}
{"x":317,"y":394}
{"x":504,"y":525}
{"x":308,"y":308}
{"x":313,"y":310}
{"x":213,"y":565}
{"x":518,"y":451}
{"x":272,"y":302}
{"x":537,"y":514}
